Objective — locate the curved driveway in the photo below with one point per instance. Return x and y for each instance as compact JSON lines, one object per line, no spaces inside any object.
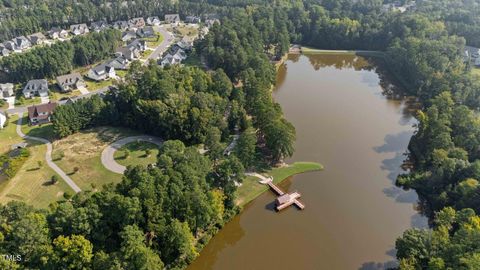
{"x":108,"y":159}
{"x":48,"y":154}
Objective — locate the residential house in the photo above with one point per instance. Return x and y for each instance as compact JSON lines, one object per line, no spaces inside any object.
{"x":3,"y":120}
{"x":70,"y":82}
{"x":57,"y":33}
{"x":129,"y":53}
{"x":141,"y":45}
{"x":153,"y":20}
{"x":37,"y":38}
{"x":185,"y":44}
{"x":3,"y":50}
{"x":36,"y":88}
{"x":6,"y":90}
{"x":211,"y":22}
{"x":98,"y":26}
{"x":79,"y":29}
{"x":18,"y":44}
{"x":193,"y":19}
{"x":174,"y":57}
{"x":146,"y":32}
{"x":101,"y":72}
{"x":172,"y":18}
{"x":136,"y":23}
{"x":119,"y":63}
{"x":41,"y":114}
{"x":472,"y":52}
{"x":120,"y":25}
{"x":127,"y":36}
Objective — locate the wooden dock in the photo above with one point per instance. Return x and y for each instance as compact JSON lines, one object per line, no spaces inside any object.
{"x":292,"y":198}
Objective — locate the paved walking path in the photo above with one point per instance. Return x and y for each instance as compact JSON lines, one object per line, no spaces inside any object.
{"x":108,"y":159}
{"x":48,"y":155}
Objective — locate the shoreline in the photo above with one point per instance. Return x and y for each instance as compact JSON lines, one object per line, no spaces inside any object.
{"x":252,"y":189}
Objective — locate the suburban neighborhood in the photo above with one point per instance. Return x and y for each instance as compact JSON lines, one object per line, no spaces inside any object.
{"x":26,"y":108}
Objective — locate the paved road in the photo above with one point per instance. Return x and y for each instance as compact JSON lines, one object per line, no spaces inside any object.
{"x":108,"y":159}
{"x":168,"y":39}
{"x":48,"y":155}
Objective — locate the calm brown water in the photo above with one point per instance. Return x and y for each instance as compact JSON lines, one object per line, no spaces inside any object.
{"x":354,"y":212}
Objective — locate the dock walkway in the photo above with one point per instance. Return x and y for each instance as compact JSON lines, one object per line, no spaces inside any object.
{"x":292,"y":198}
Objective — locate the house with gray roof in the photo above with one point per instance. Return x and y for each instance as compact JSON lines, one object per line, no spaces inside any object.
{"x":101,"y":72}
{"x":129,"y":35}
{"x":136,"y":23}
{"x":79,"y":29}
{"x":57,"y":33}
{"x":18,"y":44}
{"x":172,"y":18}
{"x":193,"y":19}
{"x":99,"y":26}
{"x":36,"y":88}
{"x":119,"y":63}
{"x":6,"y":90}
{"x":70,"y":82}
{"x":154,"y":20}
{"x":146,"y":32}
{"x":120,"y":25}
{"x":37,"y":38}
{"x":3,"y":50}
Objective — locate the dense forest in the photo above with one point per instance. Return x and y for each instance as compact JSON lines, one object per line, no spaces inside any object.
{"x":61,"y":57}
{"x":165,"y":214}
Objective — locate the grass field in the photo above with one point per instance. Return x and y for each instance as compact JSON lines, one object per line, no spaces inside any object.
{"x":8,"y":135}
{"x":137,"y":154}
{"x":251,"y":188}
{"x":153,"y":42}
{"x":31,"y":184}
{"x":43,"y":131}
{"x":83,"y":150}
{"x":476,"y":72}
{"x":93,"y":85}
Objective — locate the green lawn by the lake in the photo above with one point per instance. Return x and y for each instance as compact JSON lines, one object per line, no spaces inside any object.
{"x":251,"y":188}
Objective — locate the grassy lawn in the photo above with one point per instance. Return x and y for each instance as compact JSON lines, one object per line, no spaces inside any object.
{"x":83,"y":150}
{"x":475,"y":72}
{"x":184,"y":30}
{"x":93,"y":85}
{"x":8,"y":135}
{"x":43,"y":131}
{"x":153,"y":42}
{"x":20,"y":101}
{"x":56,"y":95}
{"x":31,"y":184}
{"x":121,"y":73}
{"x":194,"y":60}
{"x":137,"y":154}
{"x":251,"y":188}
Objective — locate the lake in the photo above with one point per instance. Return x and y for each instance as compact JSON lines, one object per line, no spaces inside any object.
{"x":354,"y":212}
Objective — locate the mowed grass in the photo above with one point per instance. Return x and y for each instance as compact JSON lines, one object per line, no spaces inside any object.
{"x":251,"y":188}
{"x":137,"y":154}
{"x":8,"y":135}
{"x":94,"y":85}
{"x":43,"y":131}
{"x":153,"y":42}
{"x":83,"y":150}
{"x":31,"y":184}
{"x":475,"y":72}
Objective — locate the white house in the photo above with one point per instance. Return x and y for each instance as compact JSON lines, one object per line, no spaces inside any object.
{"x":79,"y":29}
{"x":56,"y":33}
{"x":101,"y":72}
{"x":6,"y":90}
{"x":36,"y":88}
{"x":3,"y":120}
{"x":37,"y":38}
{"x":172,"y":18}
{"x":153,"y":20}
